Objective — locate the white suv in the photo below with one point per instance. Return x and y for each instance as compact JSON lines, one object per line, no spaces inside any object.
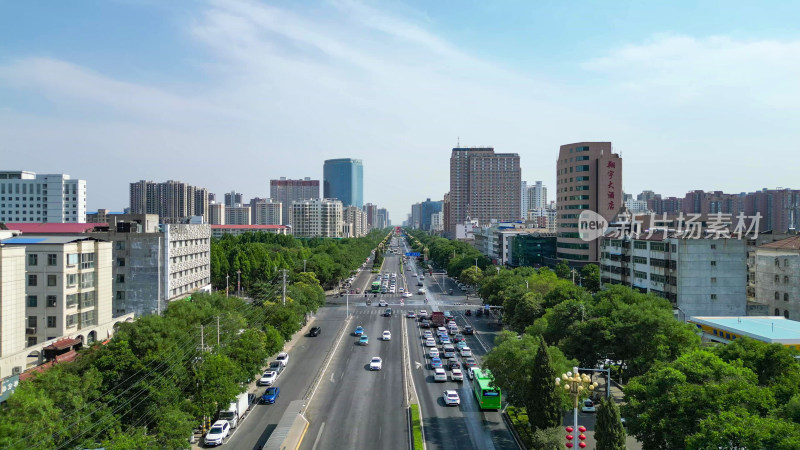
{"x":218,"y":432}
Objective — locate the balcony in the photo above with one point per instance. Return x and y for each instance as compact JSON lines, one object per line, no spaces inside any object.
{"x":30,"y":330}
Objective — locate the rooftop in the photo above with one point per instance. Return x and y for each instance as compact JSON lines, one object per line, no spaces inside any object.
{"x":791,"y":243}
{"x":772,"y":329}
{"x":46,"y":239}
{"x":248,"y":227}
{"x":31,"y":227}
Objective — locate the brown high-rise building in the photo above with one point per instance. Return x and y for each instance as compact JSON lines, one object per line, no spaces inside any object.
{"x":484,"y":185}
{"x":589,"y":176}
{"x":289,"y":191}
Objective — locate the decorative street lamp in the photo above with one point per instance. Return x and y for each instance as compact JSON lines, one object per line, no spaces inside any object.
{"x":576,"y":384}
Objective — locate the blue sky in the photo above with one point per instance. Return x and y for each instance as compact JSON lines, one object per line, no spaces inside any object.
{"x":227,"y":94}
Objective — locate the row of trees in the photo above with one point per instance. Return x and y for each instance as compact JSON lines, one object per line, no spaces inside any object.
{"x":679,"y":392}
{"x":453,"y":256}
{"x":260,"y":257}
{"x":154,"y":382}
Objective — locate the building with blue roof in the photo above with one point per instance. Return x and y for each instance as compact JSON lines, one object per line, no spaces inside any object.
{"x":769,"y":329}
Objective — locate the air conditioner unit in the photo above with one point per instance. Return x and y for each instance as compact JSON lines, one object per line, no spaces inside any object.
{"x":30,"y":330}
{"x":16,"y":370}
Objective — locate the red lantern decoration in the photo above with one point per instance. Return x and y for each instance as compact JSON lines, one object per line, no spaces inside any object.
{"x":570,"y":437}
{"x":569,"y":444}
{"x":582,"y":445}
{"x":582,"y":437}
{"x":582,"y":429}
{"x":569,"y":429}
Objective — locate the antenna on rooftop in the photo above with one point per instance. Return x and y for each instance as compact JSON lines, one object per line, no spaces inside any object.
{"x":458,"y":142}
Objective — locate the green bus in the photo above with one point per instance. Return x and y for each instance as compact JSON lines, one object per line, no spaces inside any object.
{"x":376,"y":287}
{"x":488,"y":396}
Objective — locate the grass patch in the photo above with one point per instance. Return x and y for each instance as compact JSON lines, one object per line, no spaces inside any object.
{"x":416,"y":427}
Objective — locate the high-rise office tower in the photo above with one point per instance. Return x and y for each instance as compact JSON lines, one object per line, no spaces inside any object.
{"x":54,"y":198}
{"x":290,"y":191}
{"x":173,"y":201}
{"x":426,"y":210}
{"x":589,"y":176}
{"x":484,"y":185}
{"x":343,"y":179}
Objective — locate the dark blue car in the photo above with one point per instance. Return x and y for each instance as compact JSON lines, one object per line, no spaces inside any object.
{"x":271,"y":395}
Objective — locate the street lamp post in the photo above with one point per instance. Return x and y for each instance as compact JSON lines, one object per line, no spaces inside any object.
{"x":575,"y":384}
{"x":498,"y":269}
{"x":226,"y":284}
{"x":304,"y":265}
{"x":476,"y":264}
{"x":526,"y":285}
{"x":239,"y":283}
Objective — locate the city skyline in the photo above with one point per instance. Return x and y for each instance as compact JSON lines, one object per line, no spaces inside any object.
{"x":187,"y":101}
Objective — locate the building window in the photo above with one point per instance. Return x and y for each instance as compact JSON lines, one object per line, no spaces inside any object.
{"x":713,"y":296}
{"x":52,"y":301}
{"x":52,"y":280}
{"x":87,"y":280}
{"x":72,"y":259}
{"x":33,"y":280}
{"x":121,"y":262}
{"x":641,"y":245}
{"x":777,"y":312}
{"x":786,"y":313}
{"x":72,"y":300}
{"x":713,"y":263}
{"x":786,"y":297}
{"x":713,"y":279}
{"x":777,"y":278}
{"x":785,"y":279}
{"x":32,"y":322}
{"x":120,"y":278}
{"x":52,"y":259}
{"x":33,"y":301}
{"x":51,"y":321}
{"x":33,"y":259}
{"x":31,"y":341}
{"x":120,"y":295}
{"x":640,"y":260}
{"x":87,"y":260}
{"x":777,"y":296}
{"x":119,"y":245}
{"x":72,"y":320}
{"x":713,"y":246}
{"x":72,"y":279}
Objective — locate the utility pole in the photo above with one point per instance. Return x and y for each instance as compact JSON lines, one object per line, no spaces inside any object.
{"x":284,"y":287}
{"x":202,"y":341}
{"x":217,"y":331}
{"x":226,"y":284}
{"x":239,"y":283}
{"x":304,"y":265}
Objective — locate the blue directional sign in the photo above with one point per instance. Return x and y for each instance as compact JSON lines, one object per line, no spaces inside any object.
{"x":412,"y":254}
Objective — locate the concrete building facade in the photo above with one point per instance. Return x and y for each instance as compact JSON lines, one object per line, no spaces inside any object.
{"x":778,"y":277}
{"x":216,"y":213}
{"x":238,"y":214}
{"x":173,"y":201}
{"x":589,"y":177}
{"x":266,"y":212}
{"x":484,"y":186}
{"x":317,"y":218}
{"x":288,"y":191}
{"x":701,"y":277}
{"x":30,"y":197}
{"x":537,"y":196}
{"x":355,"y":219}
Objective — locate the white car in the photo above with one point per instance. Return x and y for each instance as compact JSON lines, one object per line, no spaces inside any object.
{"x":457,"y":375}
{"x":283,"y":358}
{"x":218,"y":432}
{"x":433,"y":353}
{"x":382,"y":303}
{"x":430,"y":342}
{"x":375,"y":363}
{"x":588,"y":406}
{"x":401,"y":290}
{"x":451,"y":398}
{"x":427,"y":334}
{"x":268,"y":378}
{"x":387,"y":335}
{"x":423,"y":313}
{"x":407,"y":294}
{"x":466,"y":351}
{"x":392,"y":290}
{"x":439,"y":374}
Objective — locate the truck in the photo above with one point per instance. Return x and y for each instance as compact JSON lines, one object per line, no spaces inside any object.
{"x":236,"y":410}
{"x":437,"y":318}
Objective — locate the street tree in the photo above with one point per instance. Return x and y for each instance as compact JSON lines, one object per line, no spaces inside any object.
{"x":471,"y":276}
{"x":543,"y":402}
{"x":563,"y":270}
{"x":609,"y":432}
{"x":590,"y":277}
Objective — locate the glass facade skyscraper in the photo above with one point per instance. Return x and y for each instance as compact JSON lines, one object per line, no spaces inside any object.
{"x":343,"y":179}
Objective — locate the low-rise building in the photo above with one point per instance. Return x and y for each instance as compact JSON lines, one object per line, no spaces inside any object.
{"x":218,"y":231}
{"x":701,"y":277}
{"x":56,"y":295}
{"x":772,"y":330}
{"x":777,"y":273}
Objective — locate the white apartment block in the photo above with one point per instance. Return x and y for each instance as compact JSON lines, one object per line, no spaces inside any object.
{"x":701,"y":277}
{"x":437,"y":222}
{"x":216,"y":213}
{"x":53,"y":288}
{"x":355,"y":222}
{"x":537,"y":196}
{"x":28,"y":197}
{"x":268,"y":212}
{"x":778,"y":277}
{"x":525,"y":199}
{"x":546,"y":218}
{"x":636,"y":206}
{"x":317,"y":218}
{"x":237,"y":215}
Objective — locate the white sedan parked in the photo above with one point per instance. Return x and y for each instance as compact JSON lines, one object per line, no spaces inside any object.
{"x":268,"y":378}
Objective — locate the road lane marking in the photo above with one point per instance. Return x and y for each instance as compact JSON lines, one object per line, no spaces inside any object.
{"x":335,"y":349}
{"x":319,"y":435}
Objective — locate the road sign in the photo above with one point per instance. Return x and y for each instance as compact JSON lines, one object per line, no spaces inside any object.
{"x":412,"y":254}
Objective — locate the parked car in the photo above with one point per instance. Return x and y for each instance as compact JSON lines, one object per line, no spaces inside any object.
{"x":314,"y":331}
{"x":267,"y":378}
{"x":218,"y":432}
{"x":375,"y":363}
{"x":282,"y":358}
{"x":271,"y":395}
{"x":451,"y":398}
{"x":276,"y":367}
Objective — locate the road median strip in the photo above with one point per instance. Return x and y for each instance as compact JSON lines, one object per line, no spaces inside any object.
{"x":416,"y":427}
